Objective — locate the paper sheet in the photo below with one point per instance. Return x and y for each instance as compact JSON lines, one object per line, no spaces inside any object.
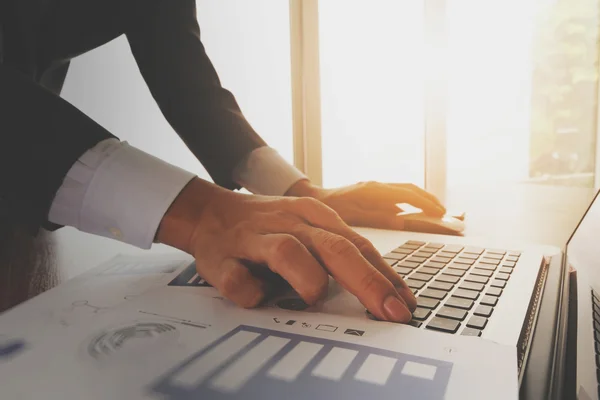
{"x":148,"y":328}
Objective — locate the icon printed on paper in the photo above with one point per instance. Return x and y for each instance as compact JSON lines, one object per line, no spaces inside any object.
{"x":9,"y":348}
{"x":305,"y":325}
{"x":354,"y":332}
{"x":276,"y":320}
{"x":326,"y":328}
{"x":290,"y":322}
{"x":255,"y":363}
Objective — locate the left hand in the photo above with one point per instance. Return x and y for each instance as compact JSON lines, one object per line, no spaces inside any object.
{"x":371,"y":204}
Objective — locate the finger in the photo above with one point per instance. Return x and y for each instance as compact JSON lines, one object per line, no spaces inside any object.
{"x":287,"y":256}
{"x":404,"y":195}
{"x":319,"y":215}
{"x":373,"y":256}
{"x":234,"y":281}
{"x":423,"y":193}
{"x":357,"y":275}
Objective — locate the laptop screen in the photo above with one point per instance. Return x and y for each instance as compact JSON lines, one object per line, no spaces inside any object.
{"x":583,"y":248}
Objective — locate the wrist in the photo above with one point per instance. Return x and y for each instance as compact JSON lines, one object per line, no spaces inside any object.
{"x":187,"y":212}
{"x":304,"y":188}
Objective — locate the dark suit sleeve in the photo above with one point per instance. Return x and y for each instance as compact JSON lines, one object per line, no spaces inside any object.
{"x":41,"y":138}
{"x":165,"y":40}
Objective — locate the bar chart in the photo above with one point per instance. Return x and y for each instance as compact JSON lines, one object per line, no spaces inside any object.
{"x":260,"y":364}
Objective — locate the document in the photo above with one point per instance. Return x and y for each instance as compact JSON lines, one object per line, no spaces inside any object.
{"x":151,"y":328}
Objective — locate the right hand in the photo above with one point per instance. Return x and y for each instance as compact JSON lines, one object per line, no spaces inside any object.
{"x":230,"y":234}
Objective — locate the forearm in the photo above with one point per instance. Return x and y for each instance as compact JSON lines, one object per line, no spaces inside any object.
{"x":42,"y":136}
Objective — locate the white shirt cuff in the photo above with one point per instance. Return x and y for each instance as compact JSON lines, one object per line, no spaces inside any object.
{"x":117,"y":191}
{"x":265,"y":172}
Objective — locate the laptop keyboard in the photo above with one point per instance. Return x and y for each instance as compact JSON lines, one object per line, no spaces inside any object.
{"x":457,"y":288}
{"x":596,"y":313}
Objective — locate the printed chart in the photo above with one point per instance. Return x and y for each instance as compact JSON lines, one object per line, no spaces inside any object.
{"x":253,"y":363}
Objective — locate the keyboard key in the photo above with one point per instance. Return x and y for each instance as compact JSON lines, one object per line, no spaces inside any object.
{"x":506,"y":270}
{"x":428,"y":270}
{"x":494,"y":291}
{"x":473,"y":250}
{"x":509,"y":264}
{"x":433,"y":264}
{"x":434,"y":294}
{"x":462,"y":260}
{"x":452,"y":313}
{"x":448,"y":278}
{"x":421,"y":314}
{"x":462,"y":267}
{"x":440,"y":285}
{"x":414,"y":284}
{"x":443,"y":324}
{"x":403,"y":270}
{"x":482,"y":272}
{"x":415,"y":323}
{"x":489,"y":300}
{"x":454,"y":272}
{"x":514,"y":254}
{"x":489,"y":261}
{"x":418,"y":260}
{"x":452,"y":248}
{"x":471,"y":332}
{"x":401,"y":250}
{"x":502,"y":276}
{"x":457,"y":302}
{"x":415,"y":243}
{"x":408,"y":264}
{"x":443,"y":260}
{"x":477,"y":322}
{"x":472,"y":286}
{"x":421,"y":277}
{"x":483,"y":311}
{"x":498,"y":283}
{"x":469,"y":256}
{"x":493,"y":256}
{"x":510,"y":258}
{"x":446,"y":254}
{"x":466,"y":294}
{"x":476,"y":278}
{"x":494,"y":251}
{"x":423,"y":254}
{"x":427,"y":302}
{"x":395,"y":256}
{"x":487,"y":267}
{"x":436,"y":246}
{"x":427,"y":250}
{"x":390,"y":261}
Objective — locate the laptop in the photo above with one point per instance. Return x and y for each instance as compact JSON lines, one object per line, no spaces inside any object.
{"x":463,"y":287}
{"x":583,"y":255}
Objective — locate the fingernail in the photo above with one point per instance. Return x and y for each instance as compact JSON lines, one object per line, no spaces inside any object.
{"x":395,"y":310}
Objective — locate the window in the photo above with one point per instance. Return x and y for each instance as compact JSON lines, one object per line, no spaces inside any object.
{"x":522,"y":91}
{"x":371,"y":72}
{"x":519,"y":78}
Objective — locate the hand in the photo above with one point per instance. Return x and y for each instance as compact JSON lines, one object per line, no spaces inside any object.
{"x":371,"y":204}
{"x":234,"y":236}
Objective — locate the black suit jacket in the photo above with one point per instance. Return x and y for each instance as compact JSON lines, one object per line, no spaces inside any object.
{"x":42,"y":135}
